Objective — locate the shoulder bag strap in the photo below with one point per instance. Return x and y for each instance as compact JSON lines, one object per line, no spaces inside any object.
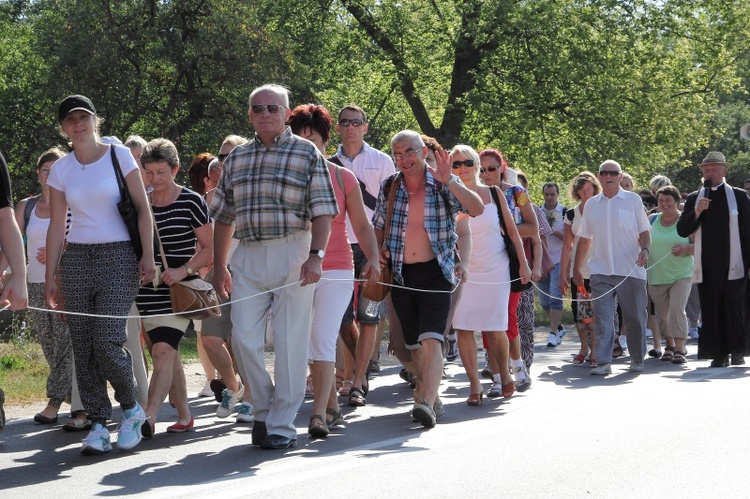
{"x":496,"y":200}
{"x":30,"y":203}
{"x":389,"y":212}
{"x":158,"y":238}
{"x":118,"y":174}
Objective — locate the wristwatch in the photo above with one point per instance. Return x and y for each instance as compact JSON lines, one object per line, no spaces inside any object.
{"x":319,"y":253}
{"x":189,"y":270}
{"x":451,"y":181}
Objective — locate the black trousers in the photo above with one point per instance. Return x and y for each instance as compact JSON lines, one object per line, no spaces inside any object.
{"x":724,"y":328}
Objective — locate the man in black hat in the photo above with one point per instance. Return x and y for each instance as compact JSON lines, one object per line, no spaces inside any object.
{"x":719,"y":215}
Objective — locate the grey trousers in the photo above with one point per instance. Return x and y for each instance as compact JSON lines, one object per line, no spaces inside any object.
{"x":633,"y":300}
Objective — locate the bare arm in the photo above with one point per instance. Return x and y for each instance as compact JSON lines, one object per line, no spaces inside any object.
{"x":463,"y":230}
{"x":202,"y":257}
{"x":355,"y":208}
{"x":567,"y":249}
{"x":54,"y":244}
{"x":644,"y":239}
{"x":524,"y":270}
{"x":222,"y":280}
{"x":582,"y":253}
{"x":530,"y":225}
{"x":15,"y":293}
{"x":312,"y":269}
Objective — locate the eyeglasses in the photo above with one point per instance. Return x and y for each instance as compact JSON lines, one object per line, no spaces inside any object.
{"x":489,"y":169}
{"x":272,"y":108}
{"x":611,"y":173}
{"x":408,"y":152}
{"x":354,"y":123}
{"x":458,"y":164}
{"x":222,"y":157}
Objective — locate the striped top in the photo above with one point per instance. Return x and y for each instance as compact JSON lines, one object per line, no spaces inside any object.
{"x":176,"y":224}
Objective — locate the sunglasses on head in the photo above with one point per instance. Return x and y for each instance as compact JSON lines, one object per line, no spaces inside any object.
{"x":272,"y":108}
{"x":611,"y":173}
{"x":354,"y":123}
{"x":222,"y":157}
{"x":489,"y":169}
{"x":458,"y":164}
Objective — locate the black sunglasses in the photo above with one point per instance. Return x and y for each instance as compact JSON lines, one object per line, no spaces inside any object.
{"x":458,"y":164}
{"x":611,"y":173}
{"x":222,"y":157}
{"x":354,"y":123}
{"x":489,"y":169}
{"x":272,"y":108}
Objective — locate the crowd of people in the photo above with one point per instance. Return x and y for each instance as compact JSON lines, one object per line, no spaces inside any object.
{"x":303,"y":241}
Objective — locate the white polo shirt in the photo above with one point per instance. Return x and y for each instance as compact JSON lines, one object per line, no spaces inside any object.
{"x":613,"y":224}
{"x":371,"y":167}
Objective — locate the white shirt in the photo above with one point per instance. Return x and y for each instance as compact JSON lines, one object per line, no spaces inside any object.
{"x":613,"y":224}
{"x":371,"y":167}
{"x":92,"y":195}
{"x":36,"y":238}
{"x":554,"y":245}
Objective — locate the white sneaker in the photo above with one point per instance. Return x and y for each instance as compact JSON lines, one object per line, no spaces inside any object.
{"x":560,"y":334}
{"x":97,"y":441}
{"x":602,"y":370}
{"x":206,"y":391}
{"x":228,"y":401}
{"x":551,"y":340}
{"x":523,"y":380}
{"x":693,"y":333}
{"x":636,"y":367}
{"x":129,"y":432}
{"x":649,"y":333}
{"x":245,"y":413}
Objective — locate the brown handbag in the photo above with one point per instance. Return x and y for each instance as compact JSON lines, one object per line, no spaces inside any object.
{"x":192,"y":294}
{"x":378,"y":292}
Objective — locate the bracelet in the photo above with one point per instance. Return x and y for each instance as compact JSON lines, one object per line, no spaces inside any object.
{"x":646,"y":249}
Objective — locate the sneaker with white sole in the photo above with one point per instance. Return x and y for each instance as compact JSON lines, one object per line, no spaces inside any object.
{"x":452,"y":353}
{"x":438,"y":408}
{"x":206,"y":391}
{"x":636,"y":367}
{"x":97,"y":441}
{"x":245,"y":413}
{"x":561,"y":332}
{"x":551,"y":340}
{"x":424,"y":414}
{"x":523,"y":380}
{"x":693,"y":333}
{"x":229,"y":400}
{"x":602,"y":370}
{"x":129,"y":432}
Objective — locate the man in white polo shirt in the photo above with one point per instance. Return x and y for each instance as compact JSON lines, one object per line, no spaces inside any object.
{"x":616,"y":230}
{"x":371,"y":167}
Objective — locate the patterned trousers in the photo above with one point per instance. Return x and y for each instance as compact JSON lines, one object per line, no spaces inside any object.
{"x":100,"y":279}
{"x":525,"y":314}
{"x":54,"y":336}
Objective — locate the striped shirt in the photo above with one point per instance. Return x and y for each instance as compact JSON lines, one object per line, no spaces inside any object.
{"x":176,"y":224}
{"x":439,"y":224}
{"x":272,"y":192}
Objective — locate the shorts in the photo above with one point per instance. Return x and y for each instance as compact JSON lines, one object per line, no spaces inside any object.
{"x":362,"y":303}
{"x":169,"y":330}
{"x":422,"y":315}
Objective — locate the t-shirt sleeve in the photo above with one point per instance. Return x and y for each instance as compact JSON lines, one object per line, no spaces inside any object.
{"x":6,"y":193}
{"x":126,"y":160}
{"x":586,"y":230}
{"x":642,"y":219}
{"x":199,"y":211}
{"x":350,"y":180}
{"x":378,"y":216}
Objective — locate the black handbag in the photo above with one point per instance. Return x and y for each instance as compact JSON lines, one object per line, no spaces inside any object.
{"x":515,"y":265}
{"x":126,"y":207}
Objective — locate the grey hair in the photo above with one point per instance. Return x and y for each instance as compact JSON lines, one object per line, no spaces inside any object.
{"x":160,"y":150}
{"x":213,"y":165}
{"x":611,"y":162}
{"x":279,"y":90}
{"x":233,"y":140}
{"x":414,"y":138}
{"x":135,"y":142}
{"x":658,"y":182}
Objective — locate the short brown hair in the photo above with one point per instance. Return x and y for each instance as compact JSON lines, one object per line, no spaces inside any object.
{"x":669,"y":190}
{"x":352,"y":107}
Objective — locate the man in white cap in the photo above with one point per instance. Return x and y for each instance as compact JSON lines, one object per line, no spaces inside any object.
{"x":719,"y":215}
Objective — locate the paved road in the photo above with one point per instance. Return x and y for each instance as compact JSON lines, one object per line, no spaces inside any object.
{"x":672,"y":431}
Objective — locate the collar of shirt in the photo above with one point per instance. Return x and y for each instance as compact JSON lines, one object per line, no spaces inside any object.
{"x":720,"y":186}
{"x":283,"y":137}
{"x":340,"y":150}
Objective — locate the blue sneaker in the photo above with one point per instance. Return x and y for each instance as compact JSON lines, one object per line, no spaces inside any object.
{"x":97,"y":441}
{"x":129,"y":432}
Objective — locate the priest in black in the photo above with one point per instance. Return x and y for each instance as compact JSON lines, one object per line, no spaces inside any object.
{"x":719,"y":215}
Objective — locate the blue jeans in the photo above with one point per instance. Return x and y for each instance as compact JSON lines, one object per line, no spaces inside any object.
{"x":550,"y":286}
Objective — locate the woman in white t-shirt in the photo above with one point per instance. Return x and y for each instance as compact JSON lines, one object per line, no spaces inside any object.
{"x":99,"y":271}
{"x":582,"y":188}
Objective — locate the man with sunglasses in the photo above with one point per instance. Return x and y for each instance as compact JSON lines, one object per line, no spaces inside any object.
{"x":371,"y":167}
{"x":276,"y":195}
{"x":420,"y":242}
{"x":616,"y":230}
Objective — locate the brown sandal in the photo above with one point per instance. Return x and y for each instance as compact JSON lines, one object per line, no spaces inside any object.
{"x":357,"y":397}
{"x":317,"y":427}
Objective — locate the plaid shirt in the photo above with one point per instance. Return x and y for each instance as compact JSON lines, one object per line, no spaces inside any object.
{"x":269,"y":193}
{"x":439,"y":224}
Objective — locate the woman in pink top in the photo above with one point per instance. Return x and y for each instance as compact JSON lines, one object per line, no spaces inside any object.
{"x":332,"y":293}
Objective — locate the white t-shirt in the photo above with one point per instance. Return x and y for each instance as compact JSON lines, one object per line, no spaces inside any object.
{"x":371,"y":167}
{"x":36,"y":238}
{"x":613,"y":224}
{"x":92,"y":195}
{"x":554,"y":244}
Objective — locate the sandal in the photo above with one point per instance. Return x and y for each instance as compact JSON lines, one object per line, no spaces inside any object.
{"x":668,"y":354}
{"x":78,"y":423}
{"x":317,"y":427}
{"x":475,"y":399}
{"x":346,"y":387}
{"x":579,"y":359}
{"x":337,"y":419}
{"x":357,"y":397}
{"x":679,"y":357}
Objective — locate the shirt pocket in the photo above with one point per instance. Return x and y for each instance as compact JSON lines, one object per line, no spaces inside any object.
{"x":625,"y":220}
